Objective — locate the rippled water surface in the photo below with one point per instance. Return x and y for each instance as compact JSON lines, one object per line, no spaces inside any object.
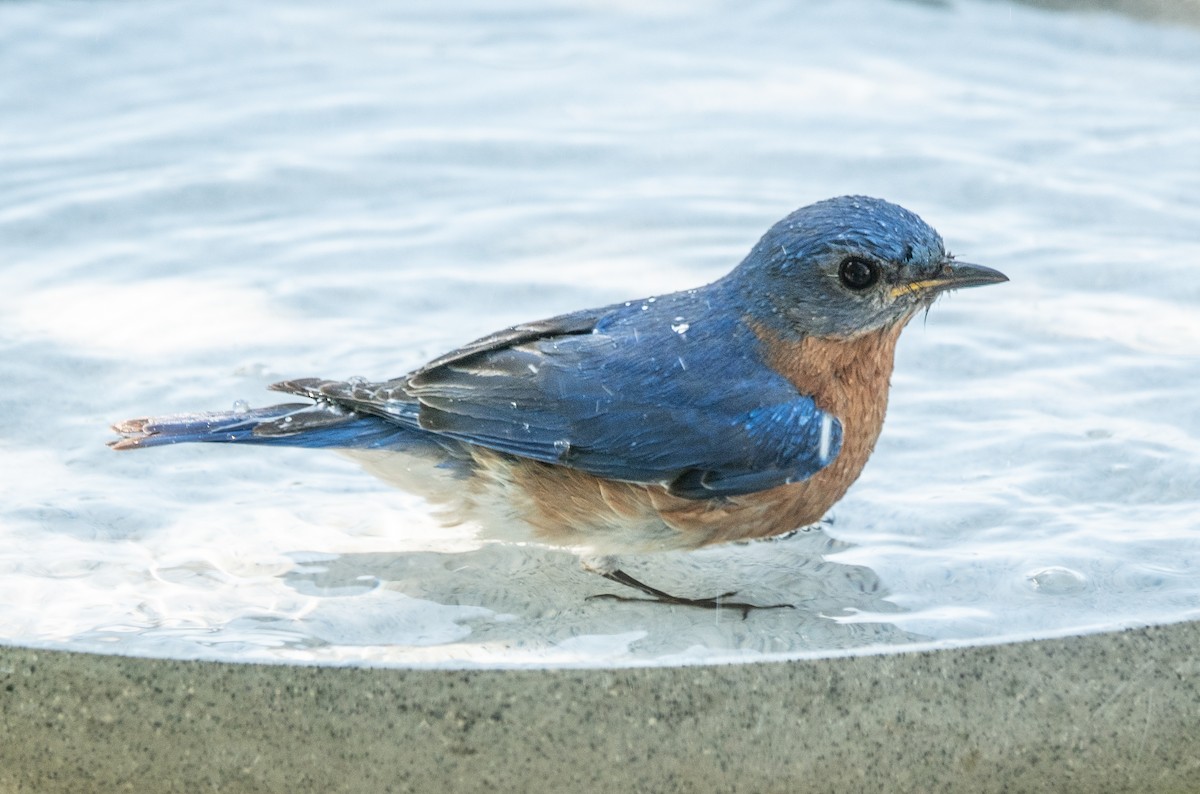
{"x":197,"y":199}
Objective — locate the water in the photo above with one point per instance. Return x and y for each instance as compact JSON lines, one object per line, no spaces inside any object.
{"x":198,"y":199}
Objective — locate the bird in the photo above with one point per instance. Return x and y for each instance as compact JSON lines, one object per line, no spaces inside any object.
{"x":738,"y":410}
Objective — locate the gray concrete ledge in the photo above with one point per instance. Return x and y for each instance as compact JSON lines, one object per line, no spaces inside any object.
{"x":1100,"y":713}
{"x":1168,"y":11}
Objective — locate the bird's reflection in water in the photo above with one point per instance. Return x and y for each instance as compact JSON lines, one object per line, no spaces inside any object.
{"x":536,"y":599}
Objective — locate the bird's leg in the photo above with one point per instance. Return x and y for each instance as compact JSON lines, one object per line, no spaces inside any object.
{"x":660,"y":597}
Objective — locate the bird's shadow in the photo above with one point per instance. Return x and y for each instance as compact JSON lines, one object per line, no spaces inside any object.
{"x":529,"y":600}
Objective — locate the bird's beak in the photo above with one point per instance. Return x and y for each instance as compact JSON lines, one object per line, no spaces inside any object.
{"x":952,"y":275}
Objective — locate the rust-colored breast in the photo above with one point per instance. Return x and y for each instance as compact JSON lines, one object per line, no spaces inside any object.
{"x":849,"y":379}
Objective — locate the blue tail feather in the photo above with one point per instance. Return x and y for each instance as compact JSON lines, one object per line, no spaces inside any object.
{"x":291,"y":425}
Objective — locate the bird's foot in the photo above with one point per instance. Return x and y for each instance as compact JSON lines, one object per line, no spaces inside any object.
{"x":659,"y":597}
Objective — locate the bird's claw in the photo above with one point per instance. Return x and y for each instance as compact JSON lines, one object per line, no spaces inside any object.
{"x":660,"y":597}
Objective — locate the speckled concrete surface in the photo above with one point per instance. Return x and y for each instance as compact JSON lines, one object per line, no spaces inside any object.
{"x":1169,"y":11}
{"x":1107,"y":712}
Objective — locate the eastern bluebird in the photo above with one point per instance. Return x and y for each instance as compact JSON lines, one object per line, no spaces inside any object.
{"x":741,"y":409}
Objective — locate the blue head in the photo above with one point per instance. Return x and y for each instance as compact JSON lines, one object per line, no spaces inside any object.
{"x":850,"y":265}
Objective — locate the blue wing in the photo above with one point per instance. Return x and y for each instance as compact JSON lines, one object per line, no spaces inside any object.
{"x":668,"y":391}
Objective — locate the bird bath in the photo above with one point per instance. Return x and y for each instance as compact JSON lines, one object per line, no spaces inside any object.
{"x":201,"y":200}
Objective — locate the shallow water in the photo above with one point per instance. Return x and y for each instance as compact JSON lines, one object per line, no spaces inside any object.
{"x":199,"y":199}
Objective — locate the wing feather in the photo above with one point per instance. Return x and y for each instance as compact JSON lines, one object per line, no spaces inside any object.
{"x":611,"y":392}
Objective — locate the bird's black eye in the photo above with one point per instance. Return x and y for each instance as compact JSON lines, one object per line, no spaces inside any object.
{"x":858,"y":274}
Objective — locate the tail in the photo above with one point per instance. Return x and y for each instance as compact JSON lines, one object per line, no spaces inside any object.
{"x":323,"y":425}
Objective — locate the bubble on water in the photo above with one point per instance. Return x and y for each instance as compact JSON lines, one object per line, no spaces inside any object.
{"x":1057,"y":580}
{"x":240,"y":406}
{"x":680,"y":328}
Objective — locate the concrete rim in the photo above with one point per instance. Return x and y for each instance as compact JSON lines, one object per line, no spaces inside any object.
{"x":1117,"y":711}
